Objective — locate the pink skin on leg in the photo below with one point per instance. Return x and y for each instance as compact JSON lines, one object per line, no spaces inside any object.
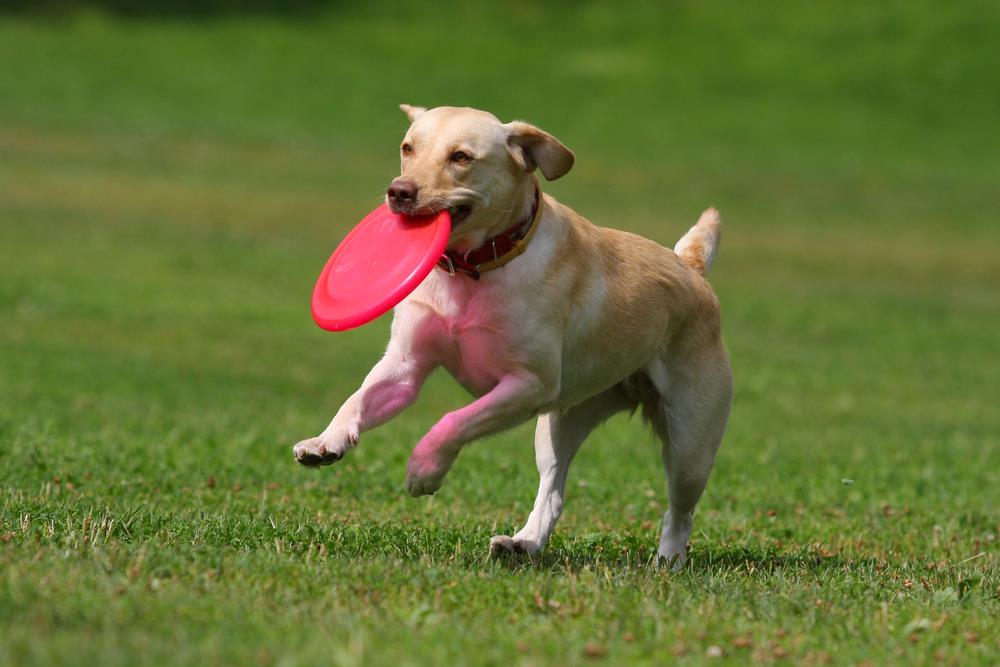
{"x":434,"y":454}
{"x":513,"y":400}
{"x":383,"y":401}
{"x":391,"y":386}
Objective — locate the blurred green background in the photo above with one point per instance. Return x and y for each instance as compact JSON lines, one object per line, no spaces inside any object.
{"x":174,"y":175}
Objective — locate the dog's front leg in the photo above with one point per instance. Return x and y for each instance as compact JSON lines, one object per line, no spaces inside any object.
{"x":390,"y":387}
{"x":516,"y":398}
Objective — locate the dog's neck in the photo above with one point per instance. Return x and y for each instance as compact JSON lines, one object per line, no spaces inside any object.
{"x":523,"y":205}
{"x":498,"y":249}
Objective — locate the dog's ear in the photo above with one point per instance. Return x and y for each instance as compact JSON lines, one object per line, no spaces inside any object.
{"x":531,"y":147}
{"x":411,"y":112}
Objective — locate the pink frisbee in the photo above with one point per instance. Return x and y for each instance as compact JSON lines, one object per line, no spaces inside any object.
{"x":377,"y":264}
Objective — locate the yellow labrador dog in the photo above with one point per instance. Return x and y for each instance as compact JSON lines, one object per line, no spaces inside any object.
{"x":538,"y":312}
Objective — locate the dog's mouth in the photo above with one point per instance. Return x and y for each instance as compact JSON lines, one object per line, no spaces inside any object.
{"x":458,"y":213}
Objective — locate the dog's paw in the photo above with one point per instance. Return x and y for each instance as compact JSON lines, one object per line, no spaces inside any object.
{"x":503,"y":545}
{"x":425,"y":471}
{"x":672,"y":553}
{"x":423,"y":484}
{"x":324,"y":449}
{"x":672,"y":560}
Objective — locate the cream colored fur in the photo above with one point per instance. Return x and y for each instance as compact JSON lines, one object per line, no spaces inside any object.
{"x":588,"y":322}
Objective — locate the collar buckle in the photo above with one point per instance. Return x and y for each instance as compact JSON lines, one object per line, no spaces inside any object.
{"x":446,"y":264}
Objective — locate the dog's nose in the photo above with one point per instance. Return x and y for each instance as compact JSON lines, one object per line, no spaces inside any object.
{"x":402,"y":191}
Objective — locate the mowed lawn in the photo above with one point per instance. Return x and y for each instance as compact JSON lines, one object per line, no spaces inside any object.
{"x":171,"y":186}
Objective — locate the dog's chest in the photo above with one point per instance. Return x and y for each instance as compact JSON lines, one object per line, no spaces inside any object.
{"x":473,"y":331}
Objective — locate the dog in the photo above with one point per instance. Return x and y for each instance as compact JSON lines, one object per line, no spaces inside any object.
{"x":538,"y":312}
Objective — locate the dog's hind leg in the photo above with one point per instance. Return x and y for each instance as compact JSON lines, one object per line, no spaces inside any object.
{"x":558,"y":436}
{"x":690,"y":418}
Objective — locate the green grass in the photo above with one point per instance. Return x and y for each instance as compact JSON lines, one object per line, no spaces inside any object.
{"x":169,"y":189}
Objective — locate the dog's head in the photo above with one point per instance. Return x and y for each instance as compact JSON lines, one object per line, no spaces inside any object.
{"x":480,"y":169}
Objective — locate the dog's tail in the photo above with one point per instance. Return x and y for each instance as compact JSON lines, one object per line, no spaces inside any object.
{"x":698,"y":247}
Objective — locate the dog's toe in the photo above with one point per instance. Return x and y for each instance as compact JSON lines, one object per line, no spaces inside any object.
{"x":418,"y":486}
{"x":671,"y":561}
{"x":504,"y":545}
{"x":501,"y":545}
{"x":314,"y":452}
{"x":330,"y":457}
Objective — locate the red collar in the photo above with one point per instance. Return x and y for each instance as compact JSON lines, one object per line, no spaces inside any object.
{"x":498,"y":250}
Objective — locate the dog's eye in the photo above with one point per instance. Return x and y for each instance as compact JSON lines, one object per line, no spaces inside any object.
{"x":406,"y":149}
{"x":460,"y":156}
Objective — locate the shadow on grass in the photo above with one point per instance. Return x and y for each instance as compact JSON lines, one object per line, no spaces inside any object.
{"x":620,"y":554}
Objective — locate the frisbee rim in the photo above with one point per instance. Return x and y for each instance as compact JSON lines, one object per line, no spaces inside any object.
{"x":321,"y":298}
